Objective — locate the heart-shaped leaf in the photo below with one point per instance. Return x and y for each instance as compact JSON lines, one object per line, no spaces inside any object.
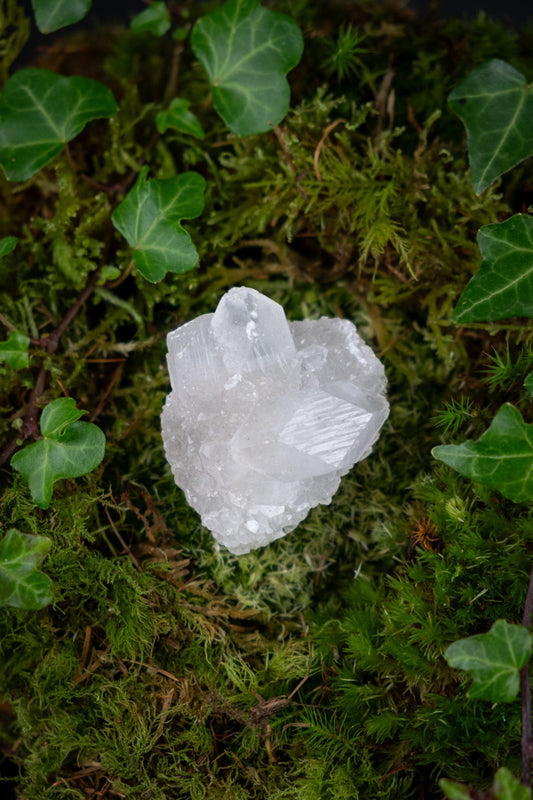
{"x":247,"y":51}
{"x":15,"y":351}
{"x":21,"y":584}
{"x":178,"y":116}
{"x":494,"y":659}
{"x":503,"y":285}
{"x":68,"y":449}
{"x":7,"y":245}
{"x":496,"y":106}
{"x":40,"y":112}
{"x":154,"y":19}
{"x":150,"y":217}
{"x":50,"y":15}
{"x":501,"y":458}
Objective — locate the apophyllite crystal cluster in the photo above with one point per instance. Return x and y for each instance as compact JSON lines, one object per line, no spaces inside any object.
{"x":266,"y":415}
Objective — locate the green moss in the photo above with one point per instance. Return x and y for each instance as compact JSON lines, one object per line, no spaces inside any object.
{"x":164,"y":666}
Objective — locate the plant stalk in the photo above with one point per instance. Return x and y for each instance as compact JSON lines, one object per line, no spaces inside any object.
{"x":525,"y":690}
{"x":49,"y":343}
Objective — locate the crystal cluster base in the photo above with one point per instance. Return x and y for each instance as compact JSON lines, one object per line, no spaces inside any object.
{"x":266,"y":415}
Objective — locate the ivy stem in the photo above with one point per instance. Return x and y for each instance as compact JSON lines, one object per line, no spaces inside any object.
{"x":49,"y":343}
{"x":525,"y":689}
{"x":9,"y":325}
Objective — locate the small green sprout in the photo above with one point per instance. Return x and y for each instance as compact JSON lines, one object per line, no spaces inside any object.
{"x":342,"y":55}
{"x":454,"y":415}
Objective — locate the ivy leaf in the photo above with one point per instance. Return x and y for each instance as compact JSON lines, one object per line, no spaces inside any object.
{"x":454,"y":791}
{"x":504,"y":787}
{"x":507,"y":787}
{"x":154,"y":19}
{"x":7,"y":245}
{"x":247,"y":51}
{"x":150,"y":217}
{"x":503,"y":285}
{"x":40,"y":112}
{"x":501,"y":458}
{"x":15,"y":351}
{"x":494,"y":659}
{"x":68,"y":449}
{"x":50,"y":15}
{"x":178,"y":116}
{"x":21,"y":584}
{"x":496,"y":106}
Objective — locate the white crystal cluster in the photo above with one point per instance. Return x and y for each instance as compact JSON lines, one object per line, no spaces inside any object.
{"x":266,"y":415}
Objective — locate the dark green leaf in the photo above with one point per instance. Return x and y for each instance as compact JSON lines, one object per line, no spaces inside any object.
{"x":57,"y":415}
{"x":7,"y":245}
{"x":69,"y":449}
{"x":21,"y":584}
{"x":503,"y":286}
{"x":494,"y":659}
{"x":15,"y":351}
{"x":247,"y":51}
{"x":496,"y":105}
{"x":501,"y":458}
{"x":528,"y":383}
{"x":50,"y":15}
{"x":154,"y":19}
{"x":178,"y":116}
{"x":40,"y":112}
{"x":150,"y":217}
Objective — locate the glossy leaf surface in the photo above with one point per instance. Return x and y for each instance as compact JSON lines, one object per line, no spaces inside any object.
{"x":21,"y":583}
{"x":7,"y":245}
{"x":495,"y":104}
{"x":154,"y":19}
{"x":150,"y":218}
{"x":503,"y":285}
{"x":68,"y":449}
{"x":40,"y":112}
{"x":494,"y":660}
{"x":14,"y":352}
{"x":179,"y":117}
{"x":501,"y":458}
{"x":247,"y":51}
{"x":50,"y":15}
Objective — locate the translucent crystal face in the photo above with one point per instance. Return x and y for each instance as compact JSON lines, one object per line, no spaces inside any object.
{"x":265,"y":415}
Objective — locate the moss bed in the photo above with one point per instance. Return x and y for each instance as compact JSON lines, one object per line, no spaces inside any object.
{"x":165,"y":668}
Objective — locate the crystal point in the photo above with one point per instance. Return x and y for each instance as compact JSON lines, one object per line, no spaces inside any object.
{"x":265,"y":415}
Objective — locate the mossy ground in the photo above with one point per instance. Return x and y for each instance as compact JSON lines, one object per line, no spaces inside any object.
{"x":165,"y":668}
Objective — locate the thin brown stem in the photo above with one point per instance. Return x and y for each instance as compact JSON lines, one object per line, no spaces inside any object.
{"x":172,"y":84}
{"x":49,"y":343}
{"x":29,"y":426}
{"x":525,"y":689}
{"x":9,"y":325}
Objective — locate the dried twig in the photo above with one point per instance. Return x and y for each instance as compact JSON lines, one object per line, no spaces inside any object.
{"x":121,"y":540}
{"x":321,"y":142}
